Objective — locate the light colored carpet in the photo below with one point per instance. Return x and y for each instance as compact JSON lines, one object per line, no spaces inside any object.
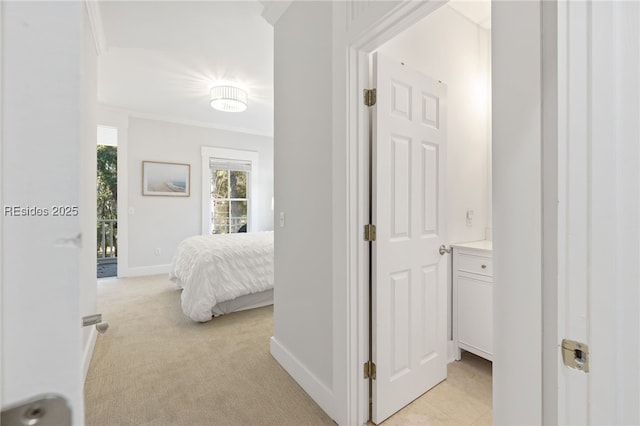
{"x":155,"y":366}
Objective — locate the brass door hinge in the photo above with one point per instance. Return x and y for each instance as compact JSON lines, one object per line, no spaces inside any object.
{"x":369,"y":97}
{"x":370,"y":370}
{"x":369,"y":232}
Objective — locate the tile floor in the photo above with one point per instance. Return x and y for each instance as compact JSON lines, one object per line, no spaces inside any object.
{"x":465,"y":398}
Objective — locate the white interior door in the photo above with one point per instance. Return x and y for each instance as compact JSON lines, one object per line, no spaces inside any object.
{"x":43,"y":211}
{"x":409,"y":293}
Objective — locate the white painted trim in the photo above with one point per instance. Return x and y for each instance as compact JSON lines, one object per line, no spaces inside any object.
{"x":550,"y":170}
{"x":87,"y":353}
{"x":317,"y":390}
{"x":208,"y":152}
{"x":273,"y":10}
{"x":97,"y":26}
{"x":358,"y":250}
{"x":1,"y":219}
{"x":142,"y":271}
{"x":452,"y":351}
{"x":400,"y":18}
{"x":598,"y":198}
{"x":194,"y":123}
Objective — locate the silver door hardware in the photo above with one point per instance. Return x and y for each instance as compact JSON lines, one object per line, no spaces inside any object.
{"x":575,"y":355}
{"x":443,"y":249}
{"x":44,"y":410}
{"x":96,"y":319}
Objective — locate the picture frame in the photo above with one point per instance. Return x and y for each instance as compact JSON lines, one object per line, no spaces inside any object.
{"x":166,"y":179}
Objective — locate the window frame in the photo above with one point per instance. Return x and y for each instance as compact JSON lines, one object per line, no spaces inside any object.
{"x":229,"y":199}
{"x":230,"y":154}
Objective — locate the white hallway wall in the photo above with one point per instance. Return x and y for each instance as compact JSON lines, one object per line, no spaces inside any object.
{"x":447,"y":46}
{"x":312,"y":336}
{"x":162,"y":222}
{"x":313,"y":331}
{"x":303,"y":316}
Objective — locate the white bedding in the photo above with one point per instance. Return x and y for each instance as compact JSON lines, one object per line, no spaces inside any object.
{"x":216,"y":268}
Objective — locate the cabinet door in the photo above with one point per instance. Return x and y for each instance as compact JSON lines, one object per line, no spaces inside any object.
{"x":475,"y":322}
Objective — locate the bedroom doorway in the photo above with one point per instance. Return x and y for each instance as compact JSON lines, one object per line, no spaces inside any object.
{"x":462,"y":215}
{"x":107,"y":202}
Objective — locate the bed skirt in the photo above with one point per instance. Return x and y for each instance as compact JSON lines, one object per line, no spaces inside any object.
{"x":249,"y":301}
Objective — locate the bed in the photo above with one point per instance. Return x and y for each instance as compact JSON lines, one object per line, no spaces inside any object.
{"x":224,"y":273}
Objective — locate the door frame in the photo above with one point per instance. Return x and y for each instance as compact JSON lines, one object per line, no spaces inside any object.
{"x":118,"y":119}
{"x":358,"y":188}
{"x":401,"y":17}
{"x":358,"y":124}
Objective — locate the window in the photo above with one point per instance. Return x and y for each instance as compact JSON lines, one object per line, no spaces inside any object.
{"x":229,"y":195}
{"x":229,"y":190}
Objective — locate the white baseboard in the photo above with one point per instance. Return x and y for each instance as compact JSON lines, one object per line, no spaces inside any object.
{"x":88,"y":352}
{"x":145,"y":270}
{"x":452,"y":351}
{"x":317,"y":390}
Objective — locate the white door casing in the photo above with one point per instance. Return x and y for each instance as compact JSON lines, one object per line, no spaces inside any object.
{"x":599,"y":207}
{"x":409,"y":274}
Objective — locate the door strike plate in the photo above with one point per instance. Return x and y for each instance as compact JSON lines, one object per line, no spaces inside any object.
{"x":575,"y":355}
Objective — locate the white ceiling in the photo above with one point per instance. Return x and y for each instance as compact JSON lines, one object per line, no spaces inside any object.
{"x":161,"y":59}
{"x":478,"y":11}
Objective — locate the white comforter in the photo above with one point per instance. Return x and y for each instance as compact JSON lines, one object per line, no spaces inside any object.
{"x":216,"y":268}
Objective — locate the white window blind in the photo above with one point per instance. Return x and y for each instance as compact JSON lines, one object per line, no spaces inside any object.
{"x":231,"y":165}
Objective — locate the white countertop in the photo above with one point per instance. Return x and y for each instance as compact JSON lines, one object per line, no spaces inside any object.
{"x":478,"y":245}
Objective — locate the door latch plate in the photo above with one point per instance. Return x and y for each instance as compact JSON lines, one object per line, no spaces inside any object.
{"x":575,"y":355}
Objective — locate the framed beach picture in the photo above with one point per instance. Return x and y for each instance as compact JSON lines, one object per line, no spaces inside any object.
{"x":165,"y":179}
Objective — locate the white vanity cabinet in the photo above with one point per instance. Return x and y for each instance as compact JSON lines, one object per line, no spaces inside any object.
{"x":473,"y":298}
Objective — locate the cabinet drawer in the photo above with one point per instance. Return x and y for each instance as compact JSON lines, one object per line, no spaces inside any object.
{"x":475,"y":264}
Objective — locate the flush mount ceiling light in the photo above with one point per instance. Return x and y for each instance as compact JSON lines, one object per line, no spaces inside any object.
{"x":228,"y":98}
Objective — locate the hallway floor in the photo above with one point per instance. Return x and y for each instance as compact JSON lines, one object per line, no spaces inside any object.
{"x":465,"y":398}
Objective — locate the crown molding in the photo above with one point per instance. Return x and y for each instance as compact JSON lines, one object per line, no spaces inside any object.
{"x":273,"y":10}
{"x":185,"y":122}
{"x":97,"y":27}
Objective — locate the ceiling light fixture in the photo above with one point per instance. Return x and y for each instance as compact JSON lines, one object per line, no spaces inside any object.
{"x":229,"y":98}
